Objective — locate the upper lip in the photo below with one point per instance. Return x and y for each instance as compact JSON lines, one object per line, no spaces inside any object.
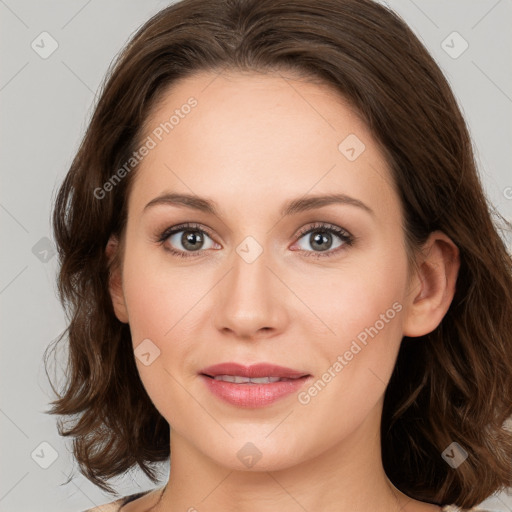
{"x":252,"y":371}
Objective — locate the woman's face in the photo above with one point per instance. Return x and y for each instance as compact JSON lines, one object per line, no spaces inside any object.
{"x":252,"y":287}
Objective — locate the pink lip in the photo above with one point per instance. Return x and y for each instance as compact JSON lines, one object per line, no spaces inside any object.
{"x":253,"y":371}
{"x":253,"y":395}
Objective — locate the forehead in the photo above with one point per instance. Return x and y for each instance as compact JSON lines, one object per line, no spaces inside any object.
{"x":261,"y":136}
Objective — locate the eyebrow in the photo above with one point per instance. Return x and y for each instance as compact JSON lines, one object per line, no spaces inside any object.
{"x":291,"y":207}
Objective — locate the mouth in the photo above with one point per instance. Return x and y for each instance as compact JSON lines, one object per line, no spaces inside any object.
{"x":239,"y":379}
{"x":253,"y":386}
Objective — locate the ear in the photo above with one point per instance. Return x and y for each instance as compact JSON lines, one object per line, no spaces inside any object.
{"x":115,"y":284}
{"x":432,"y":286}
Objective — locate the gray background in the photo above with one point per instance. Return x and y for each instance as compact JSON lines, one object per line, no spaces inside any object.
{"x":45,"y":106}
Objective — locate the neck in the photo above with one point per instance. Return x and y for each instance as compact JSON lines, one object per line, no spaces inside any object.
{"x":346,"y":477}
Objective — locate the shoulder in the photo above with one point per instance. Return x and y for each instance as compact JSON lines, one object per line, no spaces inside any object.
{"x":455,"y":508}
{"x":114,"y":506}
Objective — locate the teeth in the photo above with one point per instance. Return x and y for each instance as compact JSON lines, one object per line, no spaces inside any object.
{"x":246,"y":380}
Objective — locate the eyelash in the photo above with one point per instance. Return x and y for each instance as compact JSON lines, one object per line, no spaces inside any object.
{"x":345,"y":236}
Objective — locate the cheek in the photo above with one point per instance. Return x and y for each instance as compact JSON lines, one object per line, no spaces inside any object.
{"x":164,"y":304}
{"x":363,"y":306}
{"x":157,"y":295}
{"x":354,"y":296}
{"x":157,"y":309}
{"x":148,"y":309}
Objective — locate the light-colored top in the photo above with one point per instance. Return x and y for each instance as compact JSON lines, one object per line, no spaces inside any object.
{"x":115,"y":506}
{"x":454,"y":508}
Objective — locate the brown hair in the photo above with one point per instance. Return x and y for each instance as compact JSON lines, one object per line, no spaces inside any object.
{"x":454,"y":384}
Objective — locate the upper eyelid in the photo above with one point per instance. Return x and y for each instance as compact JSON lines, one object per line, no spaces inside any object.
{"x":190,"y":226}
{"x":328,"y":226}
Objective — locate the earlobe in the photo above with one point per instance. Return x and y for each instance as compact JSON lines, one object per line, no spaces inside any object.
{"x":115,"y":285}
{"x":433,"y":285}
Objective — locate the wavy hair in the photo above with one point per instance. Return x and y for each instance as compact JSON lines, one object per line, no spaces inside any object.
{"x":454,"y":384}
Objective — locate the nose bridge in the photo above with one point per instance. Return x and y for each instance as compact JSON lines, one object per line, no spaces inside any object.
{"x":250,"y":300}
{"x":250,"y":278}
{"x":252,"y":262}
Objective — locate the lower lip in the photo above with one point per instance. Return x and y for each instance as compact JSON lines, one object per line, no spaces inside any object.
{"x":253,"y":395}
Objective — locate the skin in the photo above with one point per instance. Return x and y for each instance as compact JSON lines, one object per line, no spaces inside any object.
{"x":252,"y":143}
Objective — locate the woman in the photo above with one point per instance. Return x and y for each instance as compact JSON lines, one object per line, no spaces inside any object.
{"x":281,"y":269}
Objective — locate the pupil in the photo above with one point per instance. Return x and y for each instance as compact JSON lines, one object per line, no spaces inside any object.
{"x":321,"y":238}
{"x":192,"y":238}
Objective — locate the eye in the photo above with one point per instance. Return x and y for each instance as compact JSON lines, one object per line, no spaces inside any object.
{"x":321,"y":239}
{"x":188,"y":238}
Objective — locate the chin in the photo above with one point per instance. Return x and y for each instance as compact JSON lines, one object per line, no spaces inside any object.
{"x":258,"y":455}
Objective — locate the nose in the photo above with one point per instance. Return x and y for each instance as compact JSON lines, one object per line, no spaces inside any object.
{"x":250,"y":300}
